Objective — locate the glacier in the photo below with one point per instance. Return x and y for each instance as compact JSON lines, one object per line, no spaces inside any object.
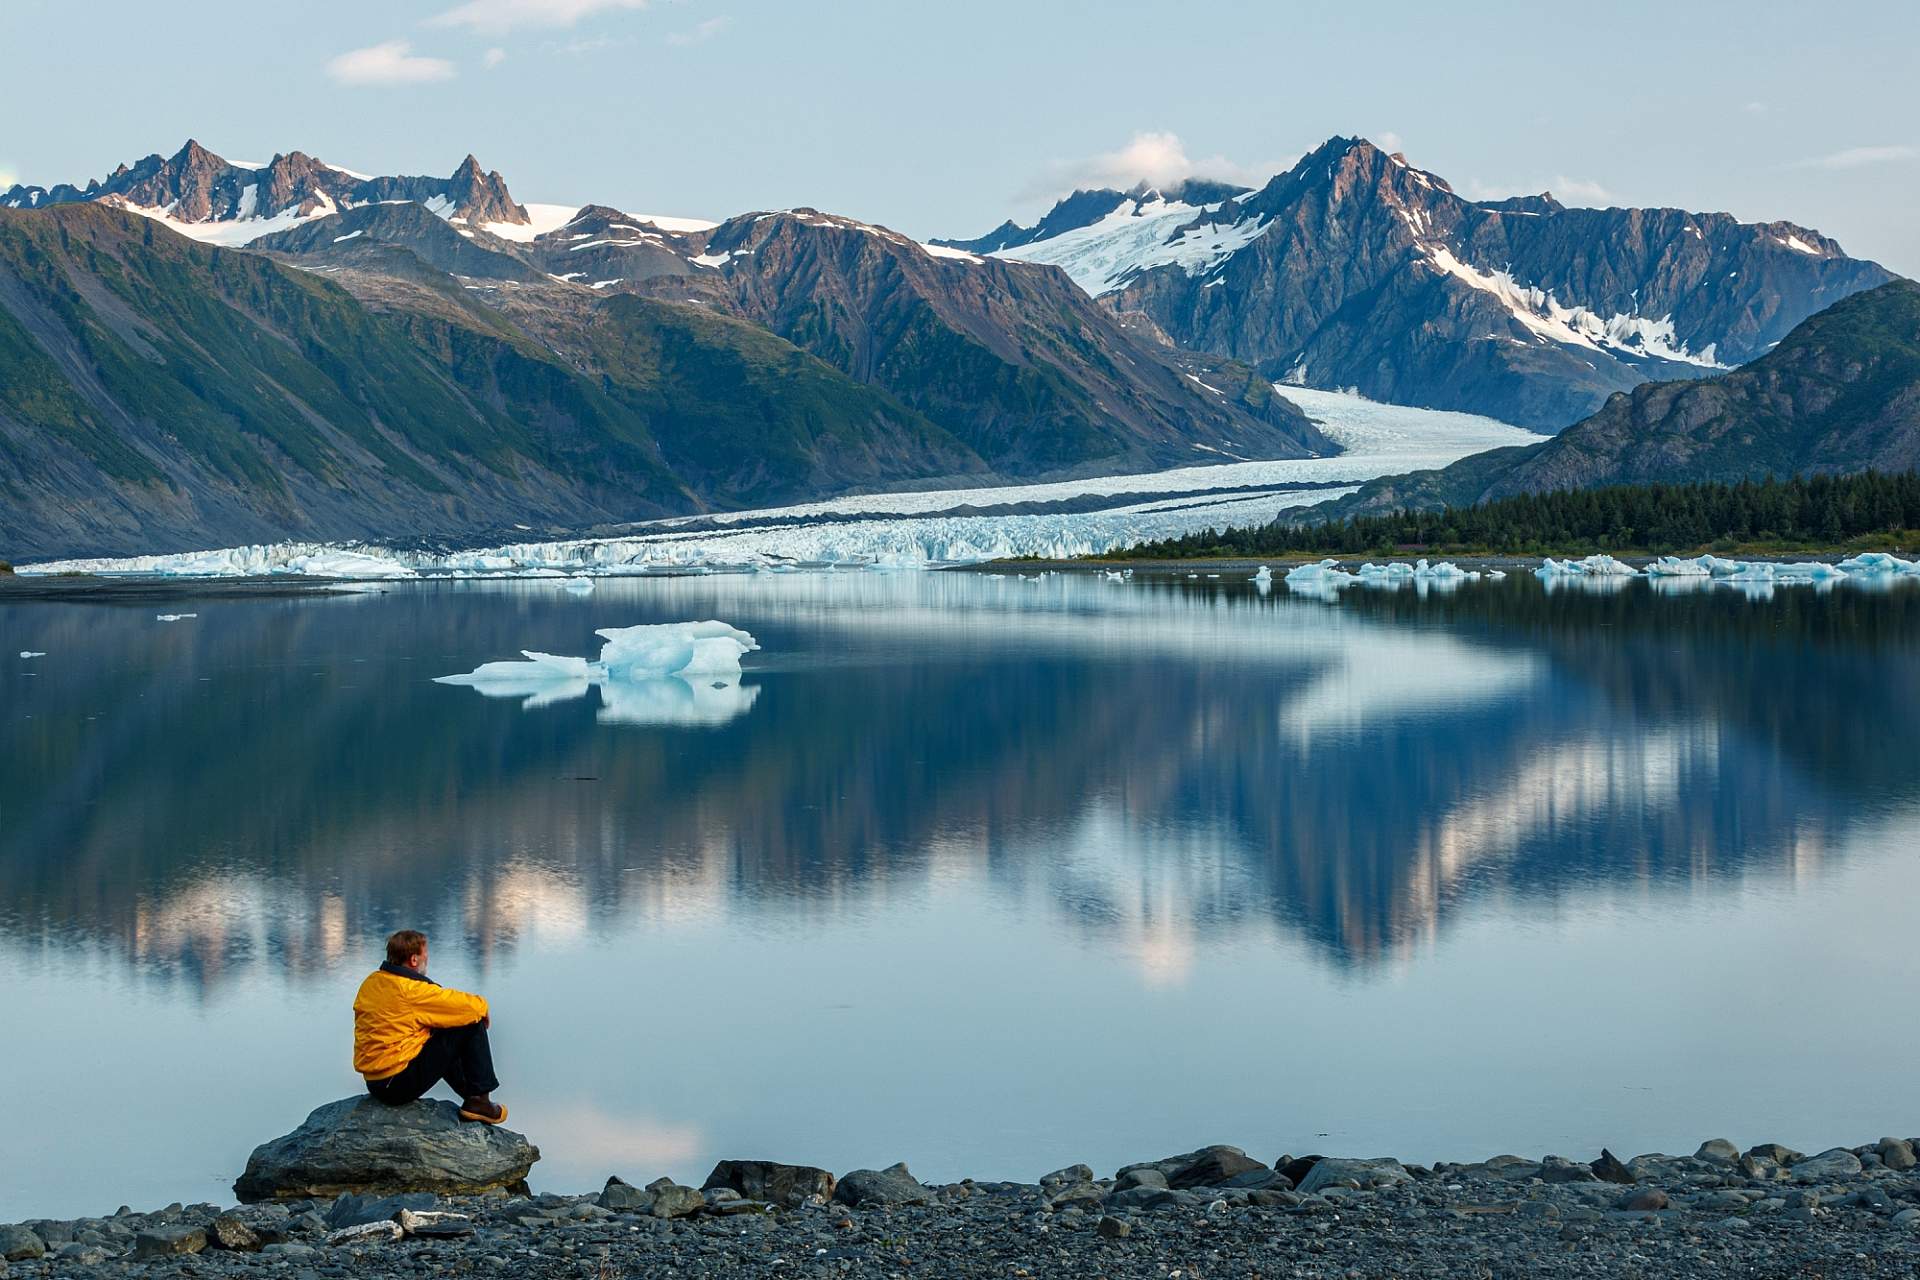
{"x":656,"y":674}
{"x":913,"y":529}
{"x":1142,"y":233}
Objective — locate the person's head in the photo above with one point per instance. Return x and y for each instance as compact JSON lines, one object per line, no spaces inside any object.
{"x":408,"y":947}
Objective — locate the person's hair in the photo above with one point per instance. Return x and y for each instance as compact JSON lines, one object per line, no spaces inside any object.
{"x":405,"y":945}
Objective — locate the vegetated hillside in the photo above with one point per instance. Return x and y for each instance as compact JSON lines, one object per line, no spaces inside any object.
{"x":1010,"y":357}
{"x":157,"y":393}
{"x":1824,"y":511}
{"x":1840,"y":394}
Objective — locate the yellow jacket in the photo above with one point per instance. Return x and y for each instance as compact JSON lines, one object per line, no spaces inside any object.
{"x":394,"y":1012}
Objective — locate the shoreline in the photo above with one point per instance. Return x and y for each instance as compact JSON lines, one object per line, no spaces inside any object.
{"x":1214,"y":1211}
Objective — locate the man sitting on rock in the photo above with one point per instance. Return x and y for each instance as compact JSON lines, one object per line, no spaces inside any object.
{"x":410,"y":1033}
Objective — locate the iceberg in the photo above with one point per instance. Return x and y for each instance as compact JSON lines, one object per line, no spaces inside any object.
{"x":656,"y":674}
{"x":1264,"y":576}
{"x":1808,"y":571}
{"x":1323,"y":573}
{"x":1878,"y":562}
{"x":1594,"y":566}
{"x":173,"y":617}
{"x":1674,"y":567}
{"x":33,"y":653}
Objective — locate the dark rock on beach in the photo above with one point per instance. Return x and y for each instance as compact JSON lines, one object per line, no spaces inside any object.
{"x":363,"y":1146}
{"x":889,"y":1186}
{"x":787,"y":1185}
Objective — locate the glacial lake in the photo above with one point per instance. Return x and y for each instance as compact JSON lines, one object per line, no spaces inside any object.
{"x":985,"y":875}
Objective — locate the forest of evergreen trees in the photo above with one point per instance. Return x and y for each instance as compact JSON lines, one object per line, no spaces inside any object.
{"x":1657,"y":518}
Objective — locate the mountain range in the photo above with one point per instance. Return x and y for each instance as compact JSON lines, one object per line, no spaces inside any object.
{"x":1356,"y":269}
{"x":199,"y":352}
{"x":430,"y":358}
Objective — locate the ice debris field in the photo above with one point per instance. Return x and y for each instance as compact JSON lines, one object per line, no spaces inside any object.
{"x":661,"y":674}
{"x":920,"y":529}
{"x":1874,"y":568}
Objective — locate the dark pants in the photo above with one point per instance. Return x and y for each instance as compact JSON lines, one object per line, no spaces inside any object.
{"x":459,"y":1055}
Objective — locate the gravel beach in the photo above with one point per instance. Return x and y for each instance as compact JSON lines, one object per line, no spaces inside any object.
{"x":1215,"y":1212}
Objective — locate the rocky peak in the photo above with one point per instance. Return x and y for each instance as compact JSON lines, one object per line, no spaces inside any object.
{"x":482,"y":197}
{"x":299,"y":182}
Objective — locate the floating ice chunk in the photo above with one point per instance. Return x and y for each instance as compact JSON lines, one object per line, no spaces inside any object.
{"x":173,"y":617}
{"x":1446,"y":569}
{"x":1674,"y":567}
{"x":580,"y":584}
{"x":674,"y":648}
{"x":1808,"y":571}
{"x":1496,"y":575}
{"x":1594,"y":566}
{"x":1326,"y":575}
{"x":1875,"y":562}
{"x":541,"y":680}
{"x":1265,"y":575}
{"x":32,"y":653}
{"x":666,"y":673}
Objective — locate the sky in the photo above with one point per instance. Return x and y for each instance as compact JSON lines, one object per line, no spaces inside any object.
{"x":945,"y":119}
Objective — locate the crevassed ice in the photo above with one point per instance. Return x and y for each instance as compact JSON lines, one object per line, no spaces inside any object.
{"x":913,"y":530}
{"x":1136,"y":237}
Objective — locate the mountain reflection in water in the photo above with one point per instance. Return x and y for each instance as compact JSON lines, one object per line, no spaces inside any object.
{"x":1165,"y":764}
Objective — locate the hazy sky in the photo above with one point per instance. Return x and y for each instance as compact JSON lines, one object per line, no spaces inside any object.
{"x":942,"y":119}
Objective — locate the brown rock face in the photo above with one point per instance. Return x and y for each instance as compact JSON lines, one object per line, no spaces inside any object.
{"x":1012,"y":357}
{"x":195,"y":185}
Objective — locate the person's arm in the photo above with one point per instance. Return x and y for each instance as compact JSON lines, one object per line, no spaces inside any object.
{"x":445,"y":1007}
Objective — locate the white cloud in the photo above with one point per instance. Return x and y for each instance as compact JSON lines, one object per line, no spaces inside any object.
{"x":701,"y":33}
{"x":493,"y":58}
{"x":1571,"y":191}
{"x":1755,"y":108}
{"x":1389,"y":141}
{"x":392,"y":62}
{"x":1156,"y":157}
{"x":506,"y":15}
{"x":1859,"y":157}
{"x":7,"y":177}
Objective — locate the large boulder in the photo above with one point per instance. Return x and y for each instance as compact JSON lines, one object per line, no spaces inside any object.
{"x":892,"y":1185}
{"x":1364,"y":1175}
{"x":362,"y":1146}
{"x":789,"y":1185}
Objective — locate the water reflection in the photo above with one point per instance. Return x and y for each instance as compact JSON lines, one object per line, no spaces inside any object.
{"x":1165,"y":764}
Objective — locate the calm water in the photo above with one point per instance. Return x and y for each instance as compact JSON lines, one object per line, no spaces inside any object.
{"x":987,"y":876}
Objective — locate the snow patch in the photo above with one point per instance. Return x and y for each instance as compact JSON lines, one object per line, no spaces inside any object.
{"x":1136,"y":237}
{"x":1541,"y":313}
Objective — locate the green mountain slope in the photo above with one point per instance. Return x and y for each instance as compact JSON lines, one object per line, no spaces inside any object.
{"x":157,"y":393}
{"x":1840,"y":394}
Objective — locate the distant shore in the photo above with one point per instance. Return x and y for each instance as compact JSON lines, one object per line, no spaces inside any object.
{"x":1213,"y":1212}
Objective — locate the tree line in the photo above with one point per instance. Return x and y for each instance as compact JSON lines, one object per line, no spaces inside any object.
{"x":1823,"y":510}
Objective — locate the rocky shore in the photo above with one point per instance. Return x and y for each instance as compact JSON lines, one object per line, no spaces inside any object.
{"x":1217,"y":1211}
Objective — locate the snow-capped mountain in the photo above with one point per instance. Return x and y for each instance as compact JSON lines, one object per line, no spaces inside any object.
{"x":201,"y":195}
{"x":1357,"y":269}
